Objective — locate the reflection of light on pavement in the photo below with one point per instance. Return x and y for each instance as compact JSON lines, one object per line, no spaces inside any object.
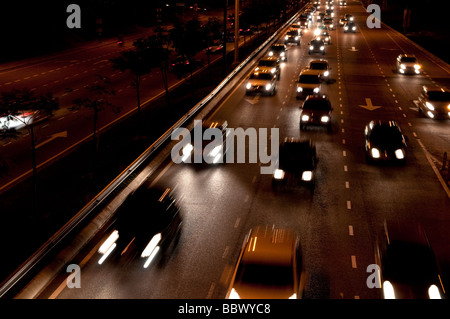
{"x":16,"y":122}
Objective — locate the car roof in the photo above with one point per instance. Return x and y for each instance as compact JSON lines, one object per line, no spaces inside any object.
{"x":318,"y":61}
{"x":308,"y":72}
{"x":383,"y":123}
{"x":270,"y":245}
{"x":315,"y":97}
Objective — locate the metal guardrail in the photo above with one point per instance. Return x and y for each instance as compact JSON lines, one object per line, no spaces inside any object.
{"x":86,"y":211}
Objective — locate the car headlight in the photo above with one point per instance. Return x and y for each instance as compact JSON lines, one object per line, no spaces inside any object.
{"x":351,"y":19}
{"x":433,"y":292}
{"x":322,"y":48}
{"x":416,"y":66}
{"x":326,"y":39}
{"x":430,"y":114}
{"x":305,"y":118}
{"x":307,"y":176}
{"x":402,"y":66}
{"x":286,"y":37}
{"x":346,"y":28}
{"x":248,"y":86}
{"x":375,"y":153}
{"x":311,"y":47}
{"x":331,"y":26}
{"x":326,"y":73}
{"x":316,"y":90}
{"x":296,"y":38}
{"x":294,"y":296}
{"x":448,"y":107}
{"x":278,"y":174}
{"x":354,"y":28}
{"x":399,"y":154}
{"x":270,"y":53}
{"x":151,"y":245}
{"x":282,"y":54}
{"x":388,"y":290}
{"x":273,"y":70}
{"x":234,"y":294}
{"x":268,"y":87}
{"x":325,"y":119}
{"x":299,"y":89}
{"x":429,"y":106}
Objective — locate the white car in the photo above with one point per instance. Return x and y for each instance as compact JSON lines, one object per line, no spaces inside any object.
{"x":321,"y":68}
{"x":308,"y":83}
{"x":407,"y":64}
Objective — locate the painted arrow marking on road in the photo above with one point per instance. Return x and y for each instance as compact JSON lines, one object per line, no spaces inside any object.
{"x":369,"y":106}
{"x":253,"y":100}
{"x":54,"y":136}
{"x":353,"y":49}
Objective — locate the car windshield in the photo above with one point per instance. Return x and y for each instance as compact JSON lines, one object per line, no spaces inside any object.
{"x":316,"y":43}
{"x":266,"y":274}
{"x":318,"y":66}
{"x":309,"y":79}
{"x":409,"y":59}
{"x":319,"y":105}
{"x":409,"y":263}
{"x":439,"y":96}
{"x":277,"y":48}
{"x":261,"y":76}
{"x":267,"y":63}
{"x":387,"y":135}
{"x":295,"y":157}
{"x":292,"y":33}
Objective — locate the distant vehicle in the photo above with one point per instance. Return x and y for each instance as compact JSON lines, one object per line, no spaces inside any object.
{"x":342,"y":3}
{"x":320,"y":16}
{"x":325,"y":36}
{"x":328,"y":22}
{"x":279,"y":50}
{"x":296,"y":27}
{"x":321,"y":67}
{"x":349,"y":16}
{"x":308,"y":83}
{"x":16,"y":122}
{"x":343,"y":21}
{"x":145,"y":225}
{"x":408,"y":266}
{"x":216,"y":48}
{"x":434,"y":102}
{"x":263,"y":81}
{"x":384,"y":141}
{"x":182,"y":65}
{"x":297,"y":162}
{"x":316,"y":110}
{"x":349,"y":27}
{"x":304,"y":22}
{"x":271,"y":64}
{"x":211,"y":151}
{"x":407,"y":64}
{"x":316,"y":45}
{"x":269,"y":266}
{"x":292,"y":37}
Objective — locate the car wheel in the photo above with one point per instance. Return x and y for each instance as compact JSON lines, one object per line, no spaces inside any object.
{"x":323,"y":53}
{"x":278,"y":76}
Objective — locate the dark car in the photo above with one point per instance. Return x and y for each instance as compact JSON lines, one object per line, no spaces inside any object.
{"x":207,"y":151}
{"x":296,"y":163}
{"x":316,"y":45}
{"x":279,"y":50}
{"x":384,"y":141}
{"x":292,"y":36}
{"x":269,"y":265}
{"x":320,"y":16}
{"x":350,"y":26}
{"x":148,"y":221}
{"x":328,"y":22}
{"x":407,"y":264}
{"x":434,"y":102}
{"x":316,"y":110}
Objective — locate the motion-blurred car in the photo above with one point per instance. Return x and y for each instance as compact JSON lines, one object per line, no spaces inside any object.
{"x":342,"y":3}
{"x":215,"y":48}
{"x":384,"y":141}
{"x":434,"y":102}
{"x":17,"y":121}
{"x":350,"y":27}
{"x":279,"y":50}
{"x":211,"y":151}
{"x":269,"y":266}
{"x":148,"y":221}
{"x":308,"y":83}
{"x":271,"y":64}
{"x":408,"y":266}
{"x":316,"y":46}
{"x":316,"y":110}
{"x":292,"y":36}
{"x":343,"y":21}
{"x":349,"y":16}
{"x":320,"y":16}
{"x":264,"y":82}
{"x":296,"y":164}
{"x":407,"y":64}
{"x":321,"y":67}
{"x":328,"y":22}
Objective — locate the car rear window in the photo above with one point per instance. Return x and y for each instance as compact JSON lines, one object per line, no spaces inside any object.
{"x":261,"y":76}
{"x":318,"y":66}
{"x":308,"y":79}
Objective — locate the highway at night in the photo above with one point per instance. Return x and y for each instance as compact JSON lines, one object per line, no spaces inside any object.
{"x":338,"y":224}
